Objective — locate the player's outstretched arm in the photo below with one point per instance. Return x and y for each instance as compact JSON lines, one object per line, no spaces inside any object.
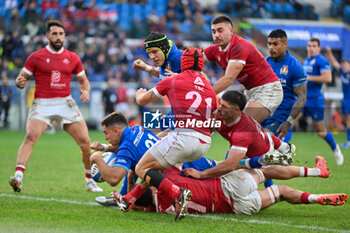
{"x":331,"y":58}
{"x":22,"y":79}
{"x":144,"y":97}
{"x":232,"y":71}
{"x":300,"y":92}
{"x":84,"y":88}
{"x":229,"y":164}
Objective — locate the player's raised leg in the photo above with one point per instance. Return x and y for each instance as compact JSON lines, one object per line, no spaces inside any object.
{"x":78,"y":130}
{"x":34,"y":129}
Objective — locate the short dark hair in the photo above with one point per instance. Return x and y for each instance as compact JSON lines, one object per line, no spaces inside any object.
{"x":314,"y":39}
{"x":235,"y":98}
{"x":278,"y":33}
{"x":222,"y":19}
{"x":115,"y":118}
{"x":53,"y":22}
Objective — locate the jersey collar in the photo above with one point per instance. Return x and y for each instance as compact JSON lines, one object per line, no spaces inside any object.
{"x":234,"y":122}
{"x":53,"y":51}
{"x":229,"y":44}
{"x":126,"y":132}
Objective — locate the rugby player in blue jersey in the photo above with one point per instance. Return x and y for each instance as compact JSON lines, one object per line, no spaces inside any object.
{"x":293,"y":78}
{"x":129,"y":145}
{"x":318,"y":72}
{"x":163,"y":53}
{"x":344,"y":69}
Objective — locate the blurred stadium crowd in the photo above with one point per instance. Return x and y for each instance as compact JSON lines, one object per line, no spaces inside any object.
{"x":97,"y":30}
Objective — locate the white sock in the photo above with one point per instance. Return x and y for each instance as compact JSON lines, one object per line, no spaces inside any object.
{"x":19,"y":174}
{"x":284,"y":147}
{"x":88,"y":171}
{"x":309,"y":172}
{"x":312,"y":198}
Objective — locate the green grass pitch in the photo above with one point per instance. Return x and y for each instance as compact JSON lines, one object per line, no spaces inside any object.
{"x":54,"y":199}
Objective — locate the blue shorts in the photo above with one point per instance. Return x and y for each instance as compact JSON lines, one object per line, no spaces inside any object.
{"x":315,"y":109}
{"x":345,"y":108}
{"x":272,"y":125}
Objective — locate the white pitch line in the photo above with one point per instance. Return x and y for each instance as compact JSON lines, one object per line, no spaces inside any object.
{"x":212,"y":217}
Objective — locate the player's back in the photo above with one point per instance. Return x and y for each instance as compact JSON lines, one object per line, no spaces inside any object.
{"x":193,"y":100}
{"x":137,"y":141}
{"x":207,"y":195}
{"x":246,"y":133}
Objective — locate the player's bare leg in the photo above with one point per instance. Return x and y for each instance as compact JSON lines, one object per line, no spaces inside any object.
{"x":321,"y":131}
{"x":275,"y":193}
{"x":34,"y":129}
{"x":79,"y":132}
{"x":289,"y":172}
{"x":256,"y":111}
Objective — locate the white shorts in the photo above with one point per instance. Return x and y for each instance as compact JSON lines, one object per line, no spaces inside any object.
{"x":61,"y":110}
{"x":241,"y":187}
{"x":270,"y":95}
{"x":180,"y":145}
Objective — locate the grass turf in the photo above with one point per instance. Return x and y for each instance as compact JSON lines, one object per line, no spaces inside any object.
{"x":55,"y":174}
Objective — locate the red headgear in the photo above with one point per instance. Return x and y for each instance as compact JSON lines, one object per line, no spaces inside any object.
{"x":192,"y":59}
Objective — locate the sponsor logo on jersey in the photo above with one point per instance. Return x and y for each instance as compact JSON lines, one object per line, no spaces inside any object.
{"x":66,"y":61}
{"x":47,"y":60}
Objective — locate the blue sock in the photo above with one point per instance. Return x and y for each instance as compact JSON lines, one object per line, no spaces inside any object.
{"x":288,"y":136}
{"x":254,"y":162}
{"x":348,"y":134}
{"x":268,"y":183}
{"x":330,"y":140}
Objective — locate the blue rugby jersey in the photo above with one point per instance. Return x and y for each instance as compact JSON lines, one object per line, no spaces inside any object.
{"x":173,"y":62}
{"x":291,"y":74}
{"x":314,"y":66}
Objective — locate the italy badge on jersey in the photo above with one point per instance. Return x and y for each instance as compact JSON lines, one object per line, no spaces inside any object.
{"x":284,"y":70}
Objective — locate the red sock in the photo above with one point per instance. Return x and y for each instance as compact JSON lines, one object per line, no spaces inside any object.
{"x":306,"y":169}
{"x":276,"y":141}
{"x":135,"y":194}
{"x":168,"y":187}
{"x":20,"y":168}
{"x":88,"y":173}
{"x":305,"y":198}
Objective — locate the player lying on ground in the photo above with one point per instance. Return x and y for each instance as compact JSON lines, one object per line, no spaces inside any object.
{"x":237,"y":192}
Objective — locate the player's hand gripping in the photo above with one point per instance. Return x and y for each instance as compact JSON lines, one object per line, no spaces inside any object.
{"x":139,"y":64}
{"x":192,"y":172}
{"x":21,"y":81}
{"x":85,"y":96}
{"x":97,"y":146}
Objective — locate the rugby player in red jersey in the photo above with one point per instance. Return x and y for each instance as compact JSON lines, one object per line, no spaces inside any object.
{"x":52,"y":68}
{"x":244,"y":63}
{"x":194,"y":101}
